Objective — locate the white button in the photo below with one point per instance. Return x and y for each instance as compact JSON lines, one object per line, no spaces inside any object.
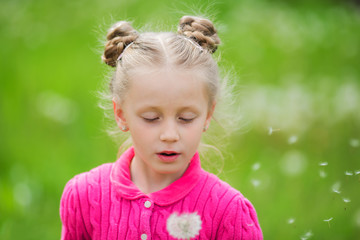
{"x":147,"y":204}
{"x":143,"y":236}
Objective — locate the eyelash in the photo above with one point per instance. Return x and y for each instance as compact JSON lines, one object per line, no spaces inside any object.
{"x":150,"y":119}
{"x":186,"y":120}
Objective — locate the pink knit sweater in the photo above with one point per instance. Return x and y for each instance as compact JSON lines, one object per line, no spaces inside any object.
{"x":105,"y":204}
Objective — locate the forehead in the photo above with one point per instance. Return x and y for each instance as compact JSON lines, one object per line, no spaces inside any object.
{"x":167,"y":87}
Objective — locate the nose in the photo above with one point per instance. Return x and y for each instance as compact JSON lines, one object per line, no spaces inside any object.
{"x":169,"y":132}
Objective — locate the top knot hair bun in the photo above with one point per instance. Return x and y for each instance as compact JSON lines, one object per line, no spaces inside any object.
{"x":200,"y":30}
{"x":118,"y":37}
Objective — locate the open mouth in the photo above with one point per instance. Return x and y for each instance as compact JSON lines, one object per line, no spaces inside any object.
{"x":168,"y":154}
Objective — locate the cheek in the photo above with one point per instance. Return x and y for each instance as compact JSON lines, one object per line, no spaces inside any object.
{"x":141,"y":131}
{"x":194,"y":133}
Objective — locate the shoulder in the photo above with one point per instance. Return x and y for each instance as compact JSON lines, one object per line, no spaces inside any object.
{"x":81,"y":193}
{"x":238,"y":216}
{"x":216,"y":195}
{"x":219,"y":188}
{"x":93,"y":177}
{"x":85,"y":185}
{"x":240,"y":221}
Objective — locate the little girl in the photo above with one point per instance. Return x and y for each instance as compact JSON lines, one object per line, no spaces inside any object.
{"x":164,"y":92}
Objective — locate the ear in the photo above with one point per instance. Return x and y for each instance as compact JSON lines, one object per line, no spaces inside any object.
{"x":119,"y":114}
{"x":209,"y":115}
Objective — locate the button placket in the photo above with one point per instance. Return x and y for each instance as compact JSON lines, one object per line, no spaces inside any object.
{"x":146,"y":214}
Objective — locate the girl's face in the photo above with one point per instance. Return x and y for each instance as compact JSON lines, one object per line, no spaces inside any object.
{"x":166,"y":112}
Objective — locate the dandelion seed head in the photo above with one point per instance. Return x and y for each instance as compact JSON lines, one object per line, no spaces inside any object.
{"x":322,"y":164}
{"x":357,"y":172}
{"x":348,"y":173}
{"x":186,"y":225}
{"x":346,"y":200}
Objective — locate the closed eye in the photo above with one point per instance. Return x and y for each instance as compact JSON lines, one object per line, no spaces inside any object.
{"x":150,"y":119}
{"x":187,"y":120}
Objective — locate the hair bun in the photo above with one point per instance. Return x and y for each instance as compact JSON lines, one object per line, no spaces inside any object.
{"x":118,"y":37}
{"x":201,"y":30}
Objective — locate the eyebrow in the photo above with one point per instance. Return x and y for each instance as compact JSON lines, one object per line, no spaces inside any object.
{"x":191,"y":108}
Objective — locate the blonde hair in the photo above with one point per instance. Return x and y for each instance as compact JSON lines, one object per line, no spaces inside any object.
{"x":190,"y":48}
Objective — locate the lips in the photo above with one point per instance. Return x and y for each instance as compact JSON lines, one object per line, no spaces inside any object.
{"x":168,"y":156}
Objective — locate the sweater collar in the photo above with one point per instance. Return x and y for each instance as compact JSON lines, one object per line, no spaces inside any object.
{"x":121,"y":179}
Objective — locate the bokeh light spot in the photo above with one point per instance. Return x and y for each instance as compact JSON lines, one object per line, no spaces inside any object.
{"x":22,"y":194}
{"x":293,"y":163}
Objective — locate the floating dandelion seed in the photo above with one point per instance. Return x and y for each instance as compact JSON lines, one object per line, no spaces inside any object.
{"x":307,"y":235}
{"x":354,"y":142}
{"x":357,"y":172}
{"x":255,"y":182}
{"x":322,"y":174}
{"x":336,"y":191}
{"x":336,"y":188}
{"x":292,"y":139}
{"x":346,"y":200}
{"x":271,"y":130}
{"x":328,"y":221}
{"x":184,"y":226}
{"x":291,"y":220}
{"x":348,"y":173}
{"x":256,"y":166}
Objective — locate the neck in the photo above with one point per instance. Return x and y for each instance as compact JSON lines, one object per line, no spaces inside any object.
{"x":147,"y":180}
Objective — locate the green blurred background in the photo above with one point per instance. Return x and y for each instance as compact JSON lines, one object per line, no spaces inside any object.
{"x":297,"y":157}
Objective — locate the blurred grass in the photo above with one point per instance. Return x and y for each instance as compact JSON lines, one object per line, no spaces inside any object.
{"x":298,"y":65}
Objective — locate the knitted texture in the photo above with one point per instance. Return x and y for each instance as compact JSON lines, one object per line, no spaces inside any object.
{"x":105,"y":204}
